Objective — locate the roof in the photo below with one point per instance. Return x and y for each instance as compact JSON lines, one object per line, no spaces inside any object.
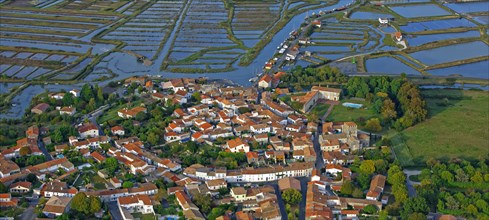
{"x":266,"y":78}
{"x":41,"y":106}
{"x":288,"y":183}
{"x":98,"y":156}
{"x":325,"y":89}
{"x":127,"y":200}
{"x":238,"y":191}
{"x":57,"y":204}
{"x":235,"y":142}
{"x":23,"y":184}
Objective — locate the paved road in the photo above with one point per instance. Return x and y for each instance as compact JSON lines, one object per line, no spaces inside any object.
{"x":302,"y":204}
{"x":28,"y":213}
{"x":317,"y":148}
{"x":410,"y":184}
{"x":44,"y":150}
{"x":281,"y":203}
{"x":114,"y":210}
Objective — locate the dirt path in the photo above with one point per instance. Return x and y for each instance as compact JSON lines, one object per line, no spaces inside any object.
{"x":331,"y":105}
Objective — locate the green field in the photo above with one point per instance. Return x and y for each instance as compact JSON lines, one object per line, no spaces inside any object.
{"x":342,"y":113}
{"x":458,"y":126}
{"x":320,"y":109}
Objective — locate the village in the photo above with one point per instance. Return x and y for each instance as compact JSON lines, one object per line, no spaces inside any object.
{"x":276,"y":163}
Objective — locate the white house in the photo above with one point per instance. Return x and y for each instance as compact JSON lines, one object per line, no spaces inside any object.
{"x":135,"y":203}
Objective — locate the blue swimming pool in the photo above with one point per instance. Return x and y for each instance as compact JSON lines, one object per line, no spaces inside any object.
{"x":352,"y":105}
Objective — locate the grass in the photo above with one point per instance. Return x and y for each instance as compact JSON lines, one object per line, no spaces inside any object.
{"x":320,"y":109}
{"x":458,"y":129}
{"x":342,"y":113}
{"x":143,"y":216}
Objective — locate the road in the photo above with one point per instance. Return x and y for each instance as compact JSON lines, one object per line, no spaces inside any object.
{"x":317,"y":147}
{"x":28,"y":213}
{"x":302,"y":204}
{"x":281,"y":203}
{"x":410,"y":184}
{"x":44,"y":150}
{"x":114,"y":211}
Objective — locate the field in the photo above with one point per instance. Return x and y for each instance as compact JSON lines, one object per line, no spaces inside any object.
{"x":342,"y":113}
{"x":458,"y":126}
{"x":40,"y":43}
{"x":431,"y":31}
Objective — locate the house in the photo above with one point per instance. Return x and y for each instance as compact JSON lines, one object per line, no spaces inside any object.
{"x":130,"y":113}
{"x":190,"y":210}
{"x":32,"y":132}
{"x":376,"y":187}
{"x":6,"y":200}
{"x":98,"y":157}
{"x":334,"y":169}
{"x":88,"y":130}
{"x":115,"y":182}
{"x":56,"y":206}
{"x":252,"y":157}
{"x":40,"y":108}
{"x":265,"y":81}
{"x":20,"y":187}
{"x":8,"y":167}
{"x":260,"y":128}
{"x":58,"y":189}
{"x":292,"y":54}
{"x":327,"y":93}
{"x":75,"y":92}
{"x":135,"y":203}
{"x":237,"y":145}
{"x":67,"y":111}
{"x":316,"y":23}
{"x":238,"y":193}
{"x":289,"y":183}
{"x":118,"y":130}
{"x":216,"y":184}
{"x":398,"y":36}
{"x":308,"y":101}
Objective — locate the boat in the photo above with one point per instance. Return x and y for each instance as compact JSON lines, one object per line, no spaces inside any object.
{"x":253,"y":79}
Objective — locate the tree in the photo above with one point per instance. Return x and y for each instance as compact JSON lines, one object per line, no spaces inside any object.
{"x":357,"y":193}
{"x":370,"y":209}
{"x":95,"y":204}
{"x":347,"y":188}
{"x":111,"y":165}
{"x":477,"y":178}
{"x":417,"y":216}
{"x":31,"y":178}
{"x":57,"y":136}
{"x":127,"y":184}
{"x":86,"y":92}
{"x":196,"y":97}
{"x":373,"y":125}
{"x":24,"y":151}
{"x":81,"y":203}
{"x":3,"y":188}
{"x":447,"y":176}
{"x":152,"y":138}
{"x":291,"y":196}
{"x":413,"y":205}
{"x":92,"y":105}
{"x":471,"y":209}
{"x":400,"y":192}
{"x":100,"y":95}
{"x":367,"y":167}
{"x":203,"y":201}
{"x":68,"y":99}
{"x":388,"y":109}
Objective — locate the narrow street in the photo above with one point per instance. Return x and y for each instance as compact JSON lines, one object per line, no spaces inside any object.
{"x":281,"y":203}
{"x":317,"y":148}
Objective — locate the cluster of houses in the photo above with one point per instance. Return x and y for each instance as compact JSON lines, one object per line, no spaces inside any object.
{"x":277,"y":141}
{"x":63,"y":110}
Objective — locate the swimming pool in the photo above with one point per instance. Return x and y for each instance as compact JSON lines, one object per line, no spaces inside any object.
{"x":352,"y":105}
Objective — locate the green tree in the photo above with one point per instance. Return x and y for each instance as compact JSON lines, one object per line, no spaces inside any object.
{"x":367,"y":167}
{"x":370,"y":209}
{"x":477,"y":178}
{"x":357,"y":193}
{"x":447,"y":176}
{"x":95,"y":204}
{"x":388,"y":109}
{"x":81,"y":203}
{"x":3,"y":188}
{"x":203,"y":201}
{"x":347,"y":188}
{"x":196,"y":97}
{"x":416,"y":216}
{"x":68,"y":99}
{"x":92,"y":105}
{"x":57,"y":136}
{"x":373,"y":125}
{"x":152,"y":138}
{"x":127,"y":184}
{"x":291,"y":196}
{"x":111,"y":165}
{"x":413,"y":205}
{"x":471,"y":209}
{"x":86,"y":93}
{"x":100,"y":95}
{"x":400,"y":192}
